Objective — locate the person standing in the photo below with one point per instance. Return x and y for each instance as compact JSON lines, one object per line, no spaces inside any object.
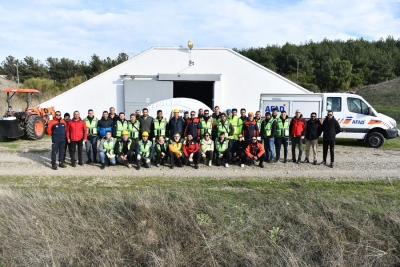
{"x":282,"y":136}
{"x":124,"y":150}
{"x":176,"y":150}
{"x":216,"y":116}
{"x":200,"y":114}
{"x":176,"y":125}
{"x":185,"y":116}
{"x":160,"y":125}
{"x":275,"y":117}
{"x":255,"y":152}
{"x":161,"y":151}
{"x":67,"y":119}
{"x":237,"y":125}
{"x":91,"y":143}
{"x":144,"y":151}
{"x":313,"y":131}
{"x":145,"y":122}
{"x":330,"y":128}
{"x":120,"y":125}
{"x":113,"y":115}
{"x":268,"y":133}
{"x":57,"y":130}
{"x":224,"y":126}
{"x":250,"y":128}
{"x":243,"y":114}
{"x":134,"y":131}
{"x":76,"y":135}
{"x":297,"y":130}
{"x":229,"y":114}
{"x":192,"y":126}
{"x":206,"y":124}
{"x":138,"y":113}
{"x":105,"y":124}
{"x":222,"y":152}
{"x":258,"y":120}
{"x":191,"y":150}
{"x":207,"y":148}
{"x":106,"y":149}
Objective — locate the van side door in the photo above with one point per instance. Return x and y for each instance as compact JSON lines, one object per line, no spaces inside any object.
{"x":357,"y":113}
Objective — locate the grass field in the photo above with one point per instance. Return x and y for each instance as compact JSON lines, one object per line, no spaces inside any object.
{"x":202,"y":222}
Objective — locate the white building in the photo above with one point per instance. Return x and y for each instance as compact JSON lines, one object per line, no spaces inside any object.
{"x":215,"y":76}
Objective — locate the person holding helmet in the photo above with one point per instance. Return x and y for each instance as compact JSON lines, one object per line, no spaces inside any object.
{"x":207,"y":148}
{"x":106,"y":149}
{"x":124,"y":150}
{"x":176,"y":150}
{"x":176,"y":124}
{"x":255,"y":152}
{"x":161,"y":151}
{"x":238,"y":154}
{"x":222,"y":151}
{"x":192,"y":152}
{"x":144,"y":151}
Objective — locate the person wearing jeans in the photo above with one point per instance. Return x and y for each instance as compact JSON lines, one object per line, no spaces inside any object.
{"x":91,"y":143}
{"x":106,"y":150}
{"x":297,"y":130}
{"x":76,"y":135}
{"x":268,"y":132}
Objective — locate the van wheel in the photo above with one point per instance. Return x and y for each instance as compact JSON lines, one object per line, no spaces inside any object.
{"x":375,"y":140}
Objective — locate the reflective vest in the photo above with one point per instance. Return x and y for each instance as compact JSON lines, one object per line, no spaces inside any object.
{"x":129,"y":145}
{"x":237,"y":124}
{"x":221,"y":147}
{"x":108,"y":145}
{"x":206,"y":127}
{"x":91,"y":126}
{"x":159,"y":126}
{"x":259,"y":123}
{"x":267,"y":127}
{"x":144,"y":149}
{"x":133,"y":129}
{"x":223,"y":127}
{"x":165,"y":145}
{"x":205,"y":145}
{"x":277,"y":123}
{"x":120,"y":127}
{"x":283,"y":130}
{"x":177,"y":145}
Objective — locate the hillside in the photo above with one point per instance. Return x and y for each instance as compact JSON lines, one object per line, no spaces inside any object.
{"x":384,"y":97}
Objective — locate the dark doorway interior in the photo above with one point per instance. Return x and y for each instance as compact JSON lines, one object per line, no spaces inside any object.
{"x":202,"y":91}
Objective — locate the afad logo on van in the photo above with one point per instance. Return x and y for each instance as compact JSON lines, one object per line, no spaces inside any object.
{"x":279,"y":108}
{"x":357,"y":121}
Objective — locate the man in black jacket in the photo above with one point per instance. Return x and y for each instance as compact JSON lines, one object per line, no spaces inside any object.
{"x":330,"y":128}
{"x":238,"y":149}
{"x":313,"y":131}
{"x":124,"y":150}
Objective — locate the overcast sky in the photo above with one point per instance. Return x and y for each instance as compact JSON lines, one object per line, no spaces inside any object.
{"x":77,"y":29}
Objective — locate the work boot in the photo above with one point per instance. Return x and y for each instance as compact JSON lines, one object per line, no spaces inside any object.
{"x":293,"y":160}
{"x":88,"y":161}
{"x":128,"y":165}
{"x":95,"y":161}
{"x":323,"y":163}
{"x":138,"y":167}
{"x":315,"y":162}
{"x":285,"y":161}
{"x":54,"y":166}
{"x":331,"y":165}
{"x":306,"y":160}
{"x":196,"y":166}
{"x":62,"y":165}
{"x":73,"y":164}
{"x":261,"y":164}
{"x":80,"y":163}
{"x":103,"y":165}
{"x":298,"y":160}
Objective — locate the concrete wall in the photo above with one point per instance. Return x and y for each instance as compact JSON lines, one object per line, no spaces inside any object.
{"x":242,"y":80}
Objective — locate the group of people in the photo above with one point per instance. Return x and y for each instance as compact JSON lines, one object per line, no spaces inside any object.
{"x":219,"y":137}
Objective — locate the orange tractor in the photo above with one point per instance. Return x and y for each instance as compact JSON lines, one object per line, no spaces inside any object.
{"x":32,"y":121}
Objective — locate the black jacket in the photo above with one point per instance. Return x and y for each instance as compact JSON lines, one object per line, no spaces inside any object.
{"x":330,"y":128}
{"x":176,"y":126}
{"x":313,"y":129}
{"x":120,"y":152}
{"x":239,"y":146}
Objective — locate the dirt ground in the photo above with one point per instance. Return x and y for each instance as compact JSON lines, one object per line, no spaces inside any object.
{"x":32,"y":158}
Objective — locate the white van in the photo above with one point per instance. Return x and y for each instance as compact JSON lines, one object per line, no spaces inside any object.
{"x":356,"y":117}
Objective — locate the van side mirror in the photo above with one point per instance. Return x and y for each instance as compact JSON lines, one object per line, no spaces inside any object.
{"x":370,"y":113}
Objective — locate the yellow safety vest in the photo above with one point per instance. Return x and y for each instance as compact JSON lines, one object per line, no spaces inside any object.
{"x":283,"y":130}
{"x":206,"y":127}
{"x":267,"y":127}
{"x":237,"y":124}
{"x":120,"y":127}
{"x":159,"y":126}
{"x":134,"y":129}
{"x":221,"y":147}
{"x":205,"y":145}
{"x":108,"y":145}
{"x":144,"y":149}
{"x":223,"y":128}
{"x":91,"y":126}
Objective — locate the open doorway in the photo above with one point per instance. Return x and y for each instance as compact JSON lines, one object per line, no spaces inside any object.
{"x":201,"y":91}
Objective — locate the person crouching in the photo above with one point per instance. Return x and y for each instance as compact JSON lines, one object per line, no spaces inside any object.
{"x":255,"y":152}
{"x":144,"y":151}
{"x":192,"y":151}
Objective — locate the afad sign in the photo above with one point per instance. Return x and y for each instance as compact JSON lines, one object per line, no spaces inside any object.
{"x":279,"y":108}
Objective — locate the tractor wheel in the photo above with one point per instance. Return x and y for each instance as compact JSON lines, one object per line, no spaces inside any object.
{"x":35,"y":127}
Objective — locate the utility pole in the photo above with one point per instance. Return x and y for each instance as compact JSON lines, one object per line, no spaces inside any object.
{"x":297,"y":68}
{"x":16,"y":65}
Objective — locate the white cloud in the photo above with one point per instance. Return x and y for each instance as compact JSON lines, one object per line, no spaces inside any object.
{"x":77,"y":29}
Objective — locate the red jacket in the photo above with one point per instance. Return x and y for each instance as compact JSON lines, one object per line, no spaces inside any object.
{"x":256,"y":149}
{"x":76,"y":130}
{"x":297,"y":127}
{"x":190,"y":147}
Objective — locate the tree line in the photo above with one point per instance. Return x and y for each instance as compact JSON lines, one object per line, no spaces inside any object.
{"x":331,"y":65}
{"x":56,"y":75}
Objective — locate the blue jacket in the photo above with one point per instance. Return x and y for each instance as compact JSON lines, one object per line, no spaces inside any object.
{"x":176,"y":126}
{"x":104,"y":125}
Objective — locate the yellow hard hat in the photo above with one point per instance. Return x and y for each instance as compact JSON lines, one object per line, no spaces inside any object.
{"x":145,"y":133}
{"x":176,"y":110}
{"x":125,"y":132}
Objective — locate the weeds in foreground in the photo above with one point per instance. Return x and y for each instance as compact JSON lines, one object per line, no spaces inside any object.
{"x":339,"y":225}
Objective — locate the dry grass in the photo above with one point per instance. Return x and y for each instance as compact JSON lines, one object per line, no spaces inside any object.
{"x":247,"y":223}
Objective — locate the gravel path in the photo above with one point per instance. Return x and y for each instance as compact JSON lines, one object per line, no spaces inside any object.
{"x":20,"y":158}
